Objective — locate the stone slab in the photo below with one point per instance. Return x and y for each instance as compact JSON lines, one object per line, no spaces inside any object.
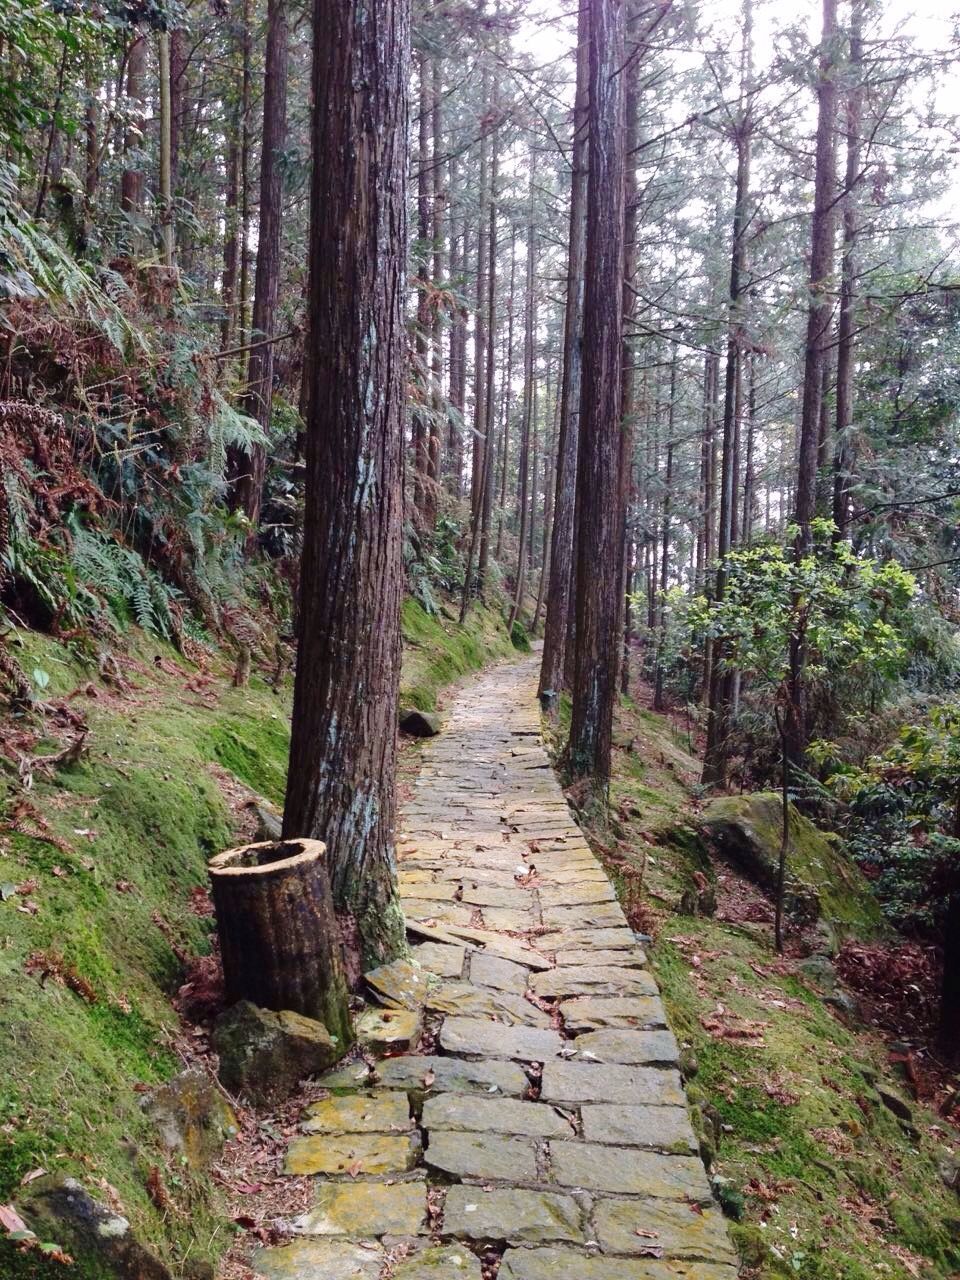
{"x":629,"y":958}
{"x":312,"y":1259}
{"x":374,"y":1154}
{"x":383,"y":1112}
{"x":502,"y":975}
{"x":590,"y":1013}
{"x":601,"y":915}
{"x":468,"y":1001}
{"x":489,"y":1157}
{"x":494,"y":1040}
{"x":440,"y":958}
{"x":442,"y":1262}
{"x":399,"y":985}
{"x":494,"y":1115}
{"x":657,"y":1127}
{"x":485,"y":895}
{"x":514,"y":1216}
{"x":509,"y":919}
{"x":567,"y":1264}
{"x":591,"y":1167}
{"x":366,"y":1209}
{"x":614,"y":939}
{"x":573,"y":894}
{"x":453,"y":1075}
{"x":575,"y":1082}
{"x":387,"y":1030}
{"x":593,"y":980}
{"x":626,"y":1046}
{"x":680,"y":1233}
{"x":507,"y":948}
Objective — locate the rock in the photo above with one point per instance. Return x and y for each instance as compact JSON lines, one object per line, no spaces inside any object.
{"x":597,"y":1168}
{"x":400,"y":985}
{"x":566,"y":1264}
{"x":657,"y":1127}
{"x":375,"y":1154}
{"x":269,"y":822}
{"x":366,"y":1209}
{"x":443,"y":1262}
{"x":60,"y":1210}
{"x":577,"y":1082}
{"x":319,"y":1259}
{"x":844,"y":1002}
{"x":493,"y":1115}
{"x":419,"y":724}
{"x":821,"y":880}
{"x":518,"y":1217}
{"x":192,"y":1117}
{"x":494,"y":1040}
{"x":264,"y":1055}
{"x":895,"y":1103}
{"x":949,"y":1169}
{"x":642,"y":1048}
{"x":383,"y":1031}
{"x":440,"y":959}
{"x":452,"y":1075}
{"x":593,"y":980}
{"x":820,"y":970}
{"x":502,"y":975}
{"x":680,"y":1233}
{"x":469,"y":1001}
{"x":384,"y":1112}
{"x":489,"y":1157}
{"x":591,"y":1013}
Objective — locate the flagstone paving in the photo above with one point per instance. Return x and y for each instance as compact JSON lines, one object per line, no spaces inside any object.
{"x":520,"y":1112}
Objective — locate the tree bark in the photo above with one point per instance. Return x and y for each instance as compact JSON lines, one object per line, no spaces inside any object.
{"x":278,"y":932}
{"x":131,"y":179}
{"x":341,"y":784}
{"x":523,"y":477}
{"x":560,"y":585}
{"x":600,"y":528}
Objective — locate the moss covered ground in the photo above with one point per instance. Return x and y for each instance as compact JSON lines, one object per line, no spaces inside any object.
{"x":99,"y":865}
{"x":822,"y":1181}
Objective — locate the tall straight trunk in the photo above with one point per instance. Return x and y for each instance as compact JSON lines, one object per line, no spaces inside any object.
{"x":719,"y":694}
{"x":550,"y":462}
{"x":166,"y":140}
{"x":231,"y":237}
{"x":131,"y":179}
{"x":247,"y":470}
{"x":91,"y":132}
{"x":749,"y":462}
{"x":341,"y":785}
{"x":178,"y":99}
{"x":489,"y":400}
{"x":815,"y":356}
{"x":457,"y":356}
{"x":507,"y":393}
{"x":529,"y":326}
{"x":421,"y":418}
{"x":843,"y":456}
{"x":560,"y":594}
{"x":665,"y":531}
{"x":246,"y":104}
{"x":479,"y":324}
{"x":435,"y":445}
{"x":600,"y":520}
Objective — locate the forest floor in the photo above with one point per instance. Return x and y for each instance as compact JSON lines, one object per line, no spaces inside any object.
{"x":537,"y":1128}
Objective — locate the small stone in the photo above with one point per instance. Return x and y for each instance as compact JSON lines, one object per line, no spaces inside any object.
{"x":58,"y":1208}
{"x":590,"y":1013}
{"x":593,"y":980}
{"x":597,"y":1168}
{"x":662,"y":1128}
{"x":366,"y":1209}
{"x":192,"y":1117}
{"x":494,"y":1115}
{"x":400,"y":985}
{"x":264,"y":1055}
{"x":382,"y":1112}
{"x":518,"y":1217}
{"x":269,"y":823}
{"x":443,"y":1262}
{"x":652,"y":1048}
{"x":583,"y":1082}
{"x":419,"y":724}
{"x":502,"y":975}
{"x":319,"y":1259}
{"x":486,"y":1156}
{"x":382,"y":1031}
{"x":369,"y":1153}
{"x":452,"y":1075}
{"x":494,"y":1040}
{"x":439,"y":958}
{"x":621,"y":1227}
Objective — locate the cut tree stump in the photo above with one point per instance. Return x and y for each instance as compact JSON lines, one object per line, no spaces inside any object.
{"x":279,"y":936}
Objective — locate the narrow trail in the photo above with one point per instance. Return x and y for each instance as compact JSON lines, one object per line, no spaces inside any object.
{"x":539,"y":1126}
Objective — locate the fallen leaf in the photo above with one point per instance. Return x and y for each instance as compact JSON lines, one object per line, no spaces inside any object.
{"x":32,"y":1176}
{"x":355,"y":1168}
{"x":428,"y":1078}
{"x":10,"y":1220}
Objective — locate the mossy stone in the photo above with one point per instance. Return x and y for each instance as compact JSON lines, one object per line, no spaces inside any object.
{"x":264,"y":1055}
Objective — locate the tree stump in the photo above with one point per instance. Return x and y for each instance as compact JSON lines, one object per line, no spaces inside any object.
{"x":279,"y":936}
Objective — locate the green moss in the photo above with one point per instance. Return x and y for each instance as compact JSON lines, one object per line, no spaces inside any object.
{"x":519,"y":638}
{"x":438,"y":650}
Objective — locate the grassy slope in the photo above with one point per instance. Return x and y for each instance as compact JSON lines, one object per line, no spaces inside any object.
{"x":135,"y":821}
{"x":832,"y":1186}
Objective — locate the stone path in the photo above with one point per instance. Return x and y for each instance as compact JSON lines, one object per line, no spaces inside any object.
{"x":537,"y":1128}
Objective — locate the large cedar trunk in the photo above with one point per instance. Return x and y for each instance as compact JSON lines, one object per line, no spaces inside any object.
{"x":560,"y":585}
{"x":246,"y":470}
{"x":131,"y":179}
{"x":341,"y":785}
{"x":279,"y":937}
{"x":599,"y":520}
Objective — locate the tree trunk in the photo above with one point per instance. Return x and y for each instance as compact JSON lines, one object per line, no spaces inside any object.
{"x":600,"y":530}
{"x":246,"y":470}
{"x":523,"y":478}
{"x":560,"y":585}
{"x":131,"y":179}
{"x":421,"y":417}
{"x":341,"y":784}
{"x":658,"y":702}
{"x":278,"y":932}
{"x":489,"y":401}
{"x":166,"y":138}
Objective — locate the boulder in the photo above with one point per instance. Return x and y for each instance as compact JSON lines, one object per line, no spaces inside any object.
{"x":821,"y":880}
{"x":58,"y":1209}
{"x":419,"y":724}
{"x":264,"y":1055}
{"x":192,"y":1117}
{"x":269,"y":822}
